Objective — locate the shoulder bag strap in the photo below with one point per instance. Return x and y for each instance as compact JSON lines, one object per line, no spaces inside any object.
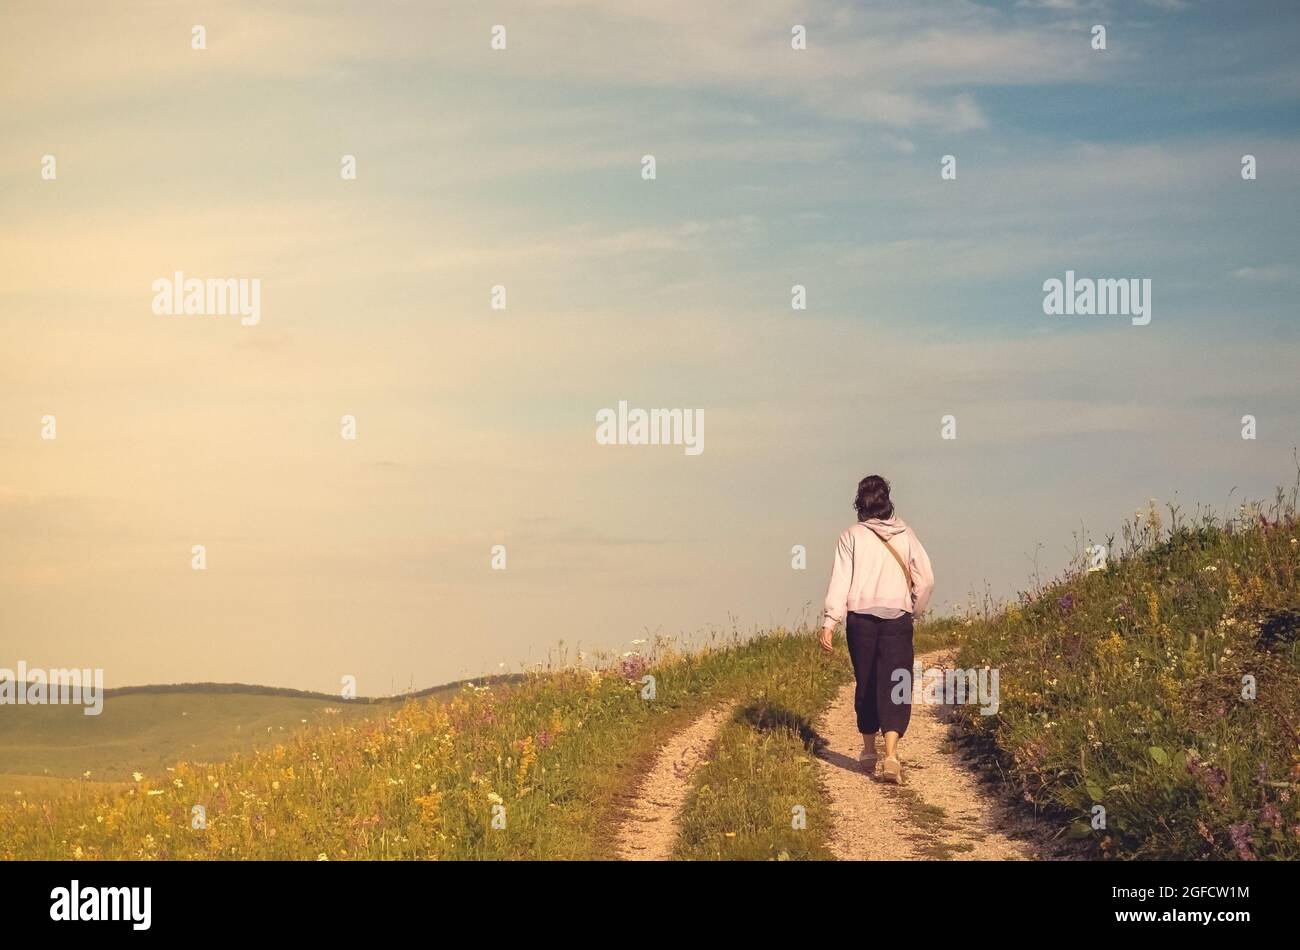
{"x":890,"y":548}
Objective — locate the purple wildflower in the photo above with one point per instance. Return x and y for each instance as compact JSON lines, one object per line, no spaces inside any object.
{"x":1240,"y":834}
{"x":633,"y":667}
{"x":1211,"y":776}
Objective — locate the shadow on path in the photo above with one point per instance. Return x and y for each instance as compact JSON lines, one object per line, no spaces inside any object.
{"x":765,"y":717}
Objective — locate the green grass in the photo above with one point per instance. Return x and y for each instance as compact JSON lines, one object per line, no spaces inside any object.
{"x":147,"y":731}
{"x":937,"y":633}
{"x":743,"y":802}
{"x":1123,"y":688}
{"x":554,"y":754}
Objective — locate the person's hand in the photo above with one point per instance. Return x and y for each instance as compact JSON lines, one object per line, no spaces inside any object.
{"x":824,"y":638}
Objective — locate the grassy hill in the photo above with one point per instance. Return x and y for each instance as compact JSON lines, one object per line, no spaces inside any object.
{"x":1150,"y":705}
{"x":550,"y":757}
{"x":146,"y":728}
{"x":1153,"y":706}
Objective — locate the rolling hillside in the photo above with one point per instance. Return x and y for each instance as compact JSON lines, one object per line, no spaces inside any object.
{"x":1149,"y":707}
{"x":48,"y":750}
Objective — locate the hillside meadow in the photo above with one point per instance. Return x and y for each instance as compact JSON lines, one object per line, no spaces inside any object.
{"x":1151,"y":706}
{"x":534,"y":769}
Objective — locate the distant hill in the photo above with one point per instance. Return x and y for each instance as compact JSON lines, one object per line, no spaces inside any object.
{"x":147,"y":728}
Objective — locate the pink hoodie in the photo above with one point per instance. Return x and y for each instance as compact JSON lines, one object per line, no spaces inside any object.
{"x":866,"y":576}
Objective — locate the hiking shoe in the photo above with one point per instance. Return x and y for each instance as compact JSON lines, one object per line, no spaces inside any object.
{"x":868,"y":755}
{"x":892,"y":770}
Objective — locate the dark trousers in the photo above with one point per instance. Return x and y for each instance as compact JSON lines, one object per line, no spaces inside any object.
{"x":878,"y":648}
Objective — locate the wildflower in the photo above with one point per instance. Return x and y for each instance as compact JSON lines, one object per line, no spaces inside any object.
{"x":494,"y":798}
{"x":138,"y":776}
{"x":1211,"y":776}
{"x":154,"y":791}
{"x":1204,"y":832}
{"x":633,"y":666}
{"x":1240,"y":834}
{"x":322,"y":857}
{"x":429,"y":805}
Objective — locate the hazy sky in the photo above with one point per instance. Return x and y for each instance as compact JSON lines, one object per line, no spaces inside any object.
{"x":523,"y":167}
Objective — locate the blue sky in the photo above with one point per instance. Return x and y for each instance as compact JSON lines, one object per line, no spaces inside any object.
{"x":522,"y":167}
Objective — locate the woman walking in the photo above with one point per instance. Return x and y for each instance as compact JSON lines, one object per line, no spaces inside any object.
{"x":881,"y":580}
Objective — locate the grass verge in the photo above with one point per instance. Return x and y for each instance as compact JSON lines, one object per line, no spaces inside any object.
{"x":758,"y":798}
{"x":1151,"y":703}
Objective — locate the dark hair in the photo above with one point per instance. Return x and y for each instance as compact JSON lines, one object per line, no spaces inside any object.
{"x":873,"y":499}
